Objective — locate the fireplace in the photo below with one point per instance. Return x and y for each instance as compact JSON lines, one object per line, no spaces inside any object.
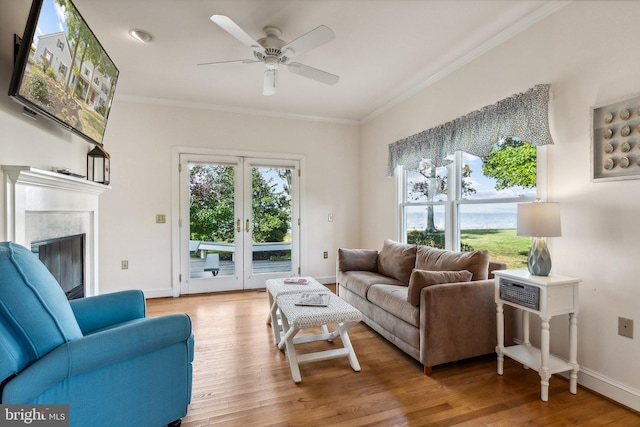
{"x":64,"y":258}
{"x":42,"y":206}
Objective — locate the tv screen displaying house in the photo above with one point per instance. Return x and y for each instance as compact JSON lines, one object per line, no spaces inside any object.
{"x":66,"y":74}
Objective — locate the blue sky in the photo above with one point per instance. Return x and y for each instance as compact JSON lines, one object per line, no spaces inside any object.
{"x":51,"y":19}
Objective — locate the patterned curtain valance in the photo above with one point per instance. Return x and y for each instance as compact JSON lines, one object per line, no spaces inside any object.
{"x":524,"y":115}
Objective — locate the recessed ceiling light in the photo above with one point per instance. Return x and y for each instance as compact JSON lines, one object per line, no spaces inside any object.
{"x":141,"y":35}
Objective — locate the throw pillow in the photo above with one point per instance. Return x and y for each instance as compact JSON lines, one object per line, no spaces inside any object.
{"x":477,"y":262}
{"x":422,"y":278}
{"x":357,"y":260}
{"x":397,"y":260}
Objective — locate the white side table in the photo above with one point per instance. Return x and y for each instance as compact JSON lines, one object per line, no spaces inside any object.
{"x":546,"y":296}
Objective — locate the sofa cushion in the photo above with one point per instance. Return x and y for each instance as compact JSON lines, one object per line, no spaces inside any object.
{"x":477,"y":262}
{"x":359,"y":282}
{"x":393,"y":299}
{"x":357,"y":259}
{"x":397,"y":260}
{"x":423,"y":278}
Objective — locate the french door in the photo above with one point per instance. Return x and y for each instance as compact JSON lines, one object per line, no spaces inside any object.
{"x":239,"y":222}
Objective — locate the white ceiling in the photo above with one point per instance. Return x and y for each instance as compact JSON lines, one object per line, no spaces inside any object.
{"x":383,"y":50}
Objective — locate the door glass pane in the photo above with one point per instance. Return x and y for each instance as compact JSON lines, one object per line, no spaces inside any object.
{"x":211,"y":220}
{"x":271,"y":220}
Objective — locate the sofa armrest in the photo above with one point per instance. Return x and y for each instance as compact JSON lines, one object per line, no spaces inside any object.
{"x":97,"y":351}
{"x":357,"y":260}
{"x":458,"y":321}
{"x":102,"y":311}
{"x":493,"y":265}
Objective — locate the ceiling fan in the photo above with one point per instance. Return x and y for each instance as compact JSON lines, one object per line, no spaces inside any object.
{"x":274,"y":52}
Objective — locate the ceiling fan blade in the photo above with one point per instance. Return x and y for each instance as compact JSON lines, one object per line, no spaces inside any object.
{"x":308,"y":41}
{"x":269,"y":87}
{"x":232,"y":28}
{"x":238,"y":61}
{"x":313,"y":73}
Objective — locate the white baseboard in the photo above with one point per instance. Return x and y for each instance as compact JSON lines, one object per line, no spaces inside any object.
{"x":604,"y":386}
{"x":607,"y":387}
{"x":326,"y":280}
{"x":161,"y":293}
{"x":164,"y":293}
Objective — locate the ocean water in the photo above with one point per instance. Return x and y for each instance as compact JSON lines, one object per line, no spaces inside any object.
{"x":468,"y":221}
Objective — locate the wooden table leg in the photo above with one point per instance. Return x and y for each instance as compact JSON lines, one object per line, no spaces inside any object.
{"x":500,"y":346}
{"x":544,"y":355}
{"x":346,"y":342}
{"x":573,"y":353}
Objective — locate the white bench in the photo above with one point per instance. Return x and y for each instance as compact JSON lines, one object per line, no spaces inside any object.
{"x":295,"y":318}
{"x":277,"y":287}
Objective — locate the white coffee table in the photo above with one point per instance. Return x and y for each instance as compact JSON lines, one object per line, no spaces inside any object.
{"x":295,"y":318}
{"x":276,"y":287}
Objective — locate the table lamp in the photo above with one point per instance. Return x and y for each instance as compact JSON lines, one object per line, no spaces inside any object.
{"x":538,"y":220}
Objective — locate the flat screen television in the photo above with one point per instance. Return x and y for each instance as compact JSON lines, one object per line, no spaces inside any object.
{"x":62,"y":72}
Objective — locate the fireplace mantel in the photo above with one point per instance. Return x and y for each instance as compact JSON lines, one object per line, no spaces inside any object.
{"x":32,"y":176}
{"x":45,"y":196}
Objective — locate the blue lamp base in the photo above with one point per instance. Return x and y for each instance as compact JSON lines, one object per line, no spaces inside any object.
{"x":539,"y":261}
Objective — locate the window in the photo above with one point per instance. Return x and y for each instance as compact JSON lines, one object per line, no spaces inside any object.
{"x":471,"y":203}
{"x":62,"y":70}
{"x":60,"y":44}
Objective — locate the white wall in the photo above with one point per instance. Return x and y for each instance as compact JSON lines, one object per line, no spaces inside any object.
{"x":586,"y":51}
{"x":141,"y":138}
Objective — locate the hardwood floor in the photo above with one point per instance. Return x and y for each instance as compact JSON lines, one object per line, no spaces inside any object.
{"x":240,"y":378}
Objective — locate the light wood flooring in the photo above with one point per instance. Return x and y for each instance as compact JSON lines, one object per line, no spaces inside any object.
{"x":240,"y":378}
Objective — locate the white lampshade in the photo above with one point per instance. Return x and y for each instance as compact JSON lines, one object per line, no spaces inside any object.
{"x":539,"y":219}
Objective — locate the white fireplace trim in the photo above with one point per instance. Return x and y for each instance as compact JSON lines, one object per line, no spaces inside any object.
{"x":29,"y":192}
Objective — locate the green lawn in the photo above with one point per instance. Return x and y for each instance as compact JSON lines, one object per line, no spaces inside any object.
{"x":503,"y":245}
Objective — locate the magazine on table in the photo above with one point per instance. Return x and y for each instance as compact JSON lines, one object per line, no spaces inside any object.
{"x":296,"y":280}
{"x":314,"y":299}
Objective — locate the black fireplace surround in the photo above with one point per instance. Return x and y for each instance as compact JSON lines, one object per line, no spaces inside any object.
{"x":64,"y":258}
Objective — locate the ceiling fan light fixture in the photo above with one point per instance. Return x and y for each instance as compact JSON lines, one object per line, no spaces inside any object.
{"x":141,"y":35}
{"x":271,"y":62}
{"x":269,"y":87}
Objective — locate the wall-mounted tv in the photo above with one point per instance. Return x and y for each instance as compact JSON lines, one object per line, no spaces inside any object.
{"x":62,"y":72}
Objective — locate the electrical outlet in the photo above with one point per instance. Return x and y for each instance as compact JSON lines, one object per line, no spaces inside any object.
{"x":325,"y":254}
{"x":124,"y":264}
{"x":161,"y":218}
{"x":330,"y":217}
{"x":625,"y":327}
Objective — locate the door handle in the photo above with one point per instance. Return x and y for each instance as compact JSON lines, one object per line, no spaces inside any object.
{"x":246,"y":228}
{"x":238,"y":226}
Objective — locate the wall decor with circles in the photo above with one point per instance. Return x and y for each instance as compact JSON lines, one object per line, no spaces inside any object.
{"x":615,"y":140}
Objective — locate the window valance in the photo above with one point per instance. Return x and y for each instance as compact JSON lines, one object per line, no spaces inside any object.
{"x":524,"y":115}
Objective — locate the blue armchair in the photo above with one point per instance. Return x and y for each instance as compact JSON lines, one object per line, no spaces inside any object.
{"x":100,"y":355}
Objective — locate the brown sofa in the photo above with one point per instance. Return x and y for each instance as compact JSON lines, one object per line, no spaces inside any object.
{"x":437,"y":306}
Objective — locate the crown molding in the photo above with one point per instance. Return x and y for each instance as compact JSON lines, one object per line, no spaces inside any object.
{"x":506,"y":34}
